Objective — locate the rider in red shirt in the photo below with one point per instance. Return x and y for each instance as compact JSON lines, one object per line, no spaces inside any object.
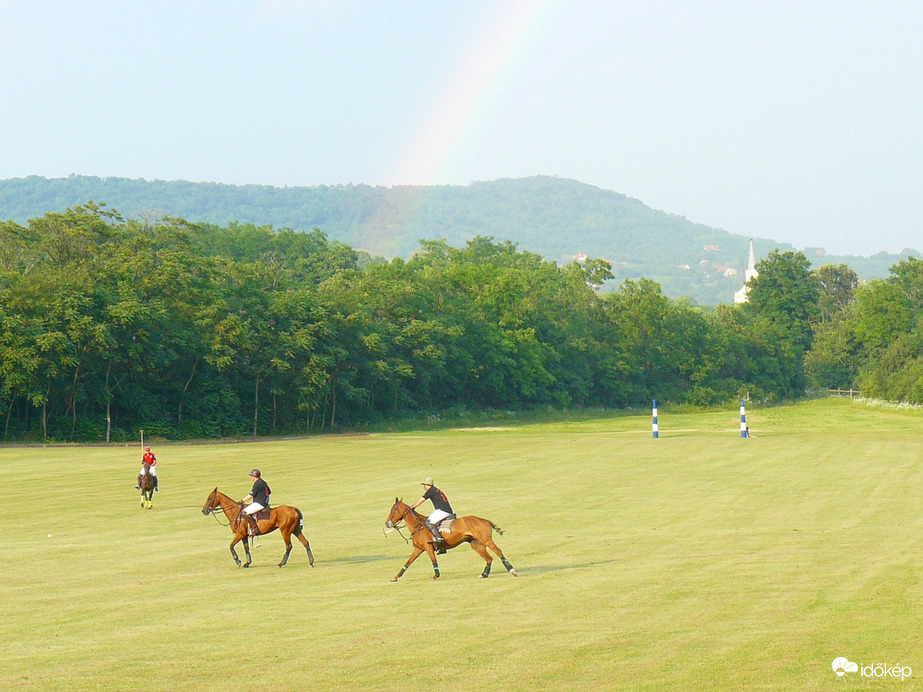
{"x":149,"y":457}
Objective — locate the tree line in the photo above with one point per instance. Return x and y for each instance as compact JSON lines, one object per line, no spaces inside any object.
{"x":555,"y":217}
{"x":200,"y":331}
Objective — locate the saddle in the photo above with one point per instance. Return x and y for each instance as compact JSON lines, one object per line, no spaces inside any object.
{"x":445,"y":525}
{"x":262,"y":514}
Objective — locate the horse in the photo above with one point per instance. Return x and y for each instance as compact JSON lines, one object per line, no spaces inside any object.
{"x":146,"y":483}
{"x":289,"y":520}
{"x":467,"y":529}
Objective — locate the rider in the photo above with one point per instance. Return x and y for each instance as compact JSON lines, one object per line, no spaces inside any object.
{"x":443,"y":510}
{"x":149,"y":457}
{"x":258,"y":499}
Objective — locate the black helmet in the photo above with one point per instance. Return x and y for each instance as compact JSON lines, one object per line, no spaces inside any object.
{"x":256,"y":473}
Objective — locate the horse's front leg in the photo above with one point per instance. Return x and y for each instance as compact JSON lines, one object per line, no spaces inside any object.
{"x":238,"y":537}
{"x":247,"y":551}
{"x":234,"y":552}
{"x":413,"y":556}
{"x":431,"y":551}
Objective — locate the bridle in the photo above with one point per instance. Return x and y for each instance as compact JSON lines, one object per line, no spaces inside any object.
{"x":211,"y":510}
{"x":396,"y":524}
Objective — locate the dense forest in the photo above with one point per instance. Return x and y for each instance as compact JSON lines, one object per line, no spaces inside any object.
{"x":553,"y":217}
{"x":199,"y":331}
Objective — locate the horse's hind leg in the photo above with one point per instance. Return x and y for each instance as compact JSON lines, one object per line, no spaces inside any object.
{"x":506,"y":563}
{"x":304,"y":541}
{"x":287,"y":537}
{"x":481,"y":550}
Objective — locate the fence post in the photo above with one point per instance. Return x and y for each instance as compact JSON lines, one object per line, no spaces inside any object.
{"x":743,"y":419}
{"x":655,"y":431}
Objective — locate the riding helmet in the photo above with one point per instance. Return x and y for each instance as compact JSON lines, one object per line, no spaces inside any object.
{"x":256,"y":473}
{"x":427,"y":481}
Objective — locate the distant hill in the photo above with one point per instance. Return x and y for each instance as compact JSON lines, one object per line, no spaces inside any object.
{"x":554,"y":217}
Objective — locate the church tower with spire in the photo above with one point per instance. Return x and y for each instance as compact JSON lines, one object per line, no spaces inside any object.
{"x":751,"y":273}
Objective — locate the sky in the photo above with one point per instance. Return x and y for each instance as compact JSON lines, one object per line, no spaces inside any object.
{"x":799,"y":121}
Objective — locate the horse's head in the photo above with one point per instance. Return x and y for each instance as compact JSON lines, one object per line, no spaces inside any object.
{"x":146,"y":465}
{"x":398,"y":511}
{"x":211,"y":503}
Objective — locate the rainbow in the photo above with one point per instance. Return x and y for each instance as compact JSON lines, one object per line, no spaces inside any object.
{"x":462,"y":112}
{"x":459,"y":118}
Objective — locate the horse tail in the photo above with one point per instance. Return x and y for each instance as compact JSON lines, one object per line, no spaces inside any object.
{"x":495,"y":527}
{"x":300,"y":520}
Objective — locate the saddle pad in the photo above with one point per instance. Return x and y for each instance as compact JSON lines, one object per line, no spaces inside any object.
{"x":262,"y":514}
{"x":445,"y":526}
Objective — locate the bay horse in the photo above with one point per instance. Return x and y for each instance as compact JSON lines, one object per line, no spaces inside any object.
{"x":467,"y":529}
{"x":289,"y":520}
{"x":146,"y":483}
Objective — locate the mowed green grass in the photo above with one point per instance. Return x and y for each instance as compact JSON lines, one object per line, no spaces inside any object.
{"x":698,"y":561}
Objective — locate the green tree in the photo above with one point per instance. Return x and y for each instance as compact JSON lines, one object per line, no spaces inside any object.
{"x":837,"y":287}
{"x":835,"y":356}
{"x":786,"y":293}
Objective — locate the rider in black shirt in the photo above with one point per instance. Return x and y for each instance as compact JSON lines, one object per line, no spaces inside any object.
{"x":442,"y":510}
{"x":258,"y":499}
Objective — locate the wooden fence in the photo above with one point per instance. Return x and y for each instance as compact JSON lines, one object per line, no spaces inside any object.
{"x":844,"y":392}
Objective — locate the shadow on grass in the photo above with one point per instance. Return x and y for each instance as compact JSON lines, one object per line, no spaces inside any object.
{"x":542,"y":569}
{"x":360,"y":559}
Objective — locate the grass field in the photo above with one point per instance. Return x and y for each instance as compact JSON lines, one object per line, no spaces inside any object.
{"x":699,"y":561}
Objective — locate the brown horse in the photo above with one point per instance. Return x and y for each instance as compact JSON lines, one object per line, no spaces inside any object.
{"x":146,"y":483}
{"x":289,"y":520}
{"x":468,"y":529}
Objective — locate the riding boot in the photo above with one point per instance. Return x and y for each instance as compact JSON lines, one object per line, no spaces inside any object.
{"x":254,"y":525}
{"x":156,"y":488}
{"x":437,"y":541}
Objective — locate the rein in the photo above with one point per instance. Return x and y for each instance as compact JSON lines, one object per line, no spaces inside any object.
{"x":401,"y":518}
{"x":225,"y":512}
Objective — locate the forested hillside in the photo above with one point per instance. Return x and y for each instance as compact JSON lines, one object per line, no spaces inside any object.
{"x":109,"y":325}
{"x":555,"y":218}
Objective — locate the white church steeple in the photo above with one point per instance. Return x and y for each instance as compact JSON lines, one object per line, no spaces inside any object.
{"x":741,"y":295}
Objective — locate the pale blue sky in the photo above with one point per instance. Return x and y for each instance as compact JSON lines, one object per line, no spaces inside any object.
{"x":797,"y":121}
